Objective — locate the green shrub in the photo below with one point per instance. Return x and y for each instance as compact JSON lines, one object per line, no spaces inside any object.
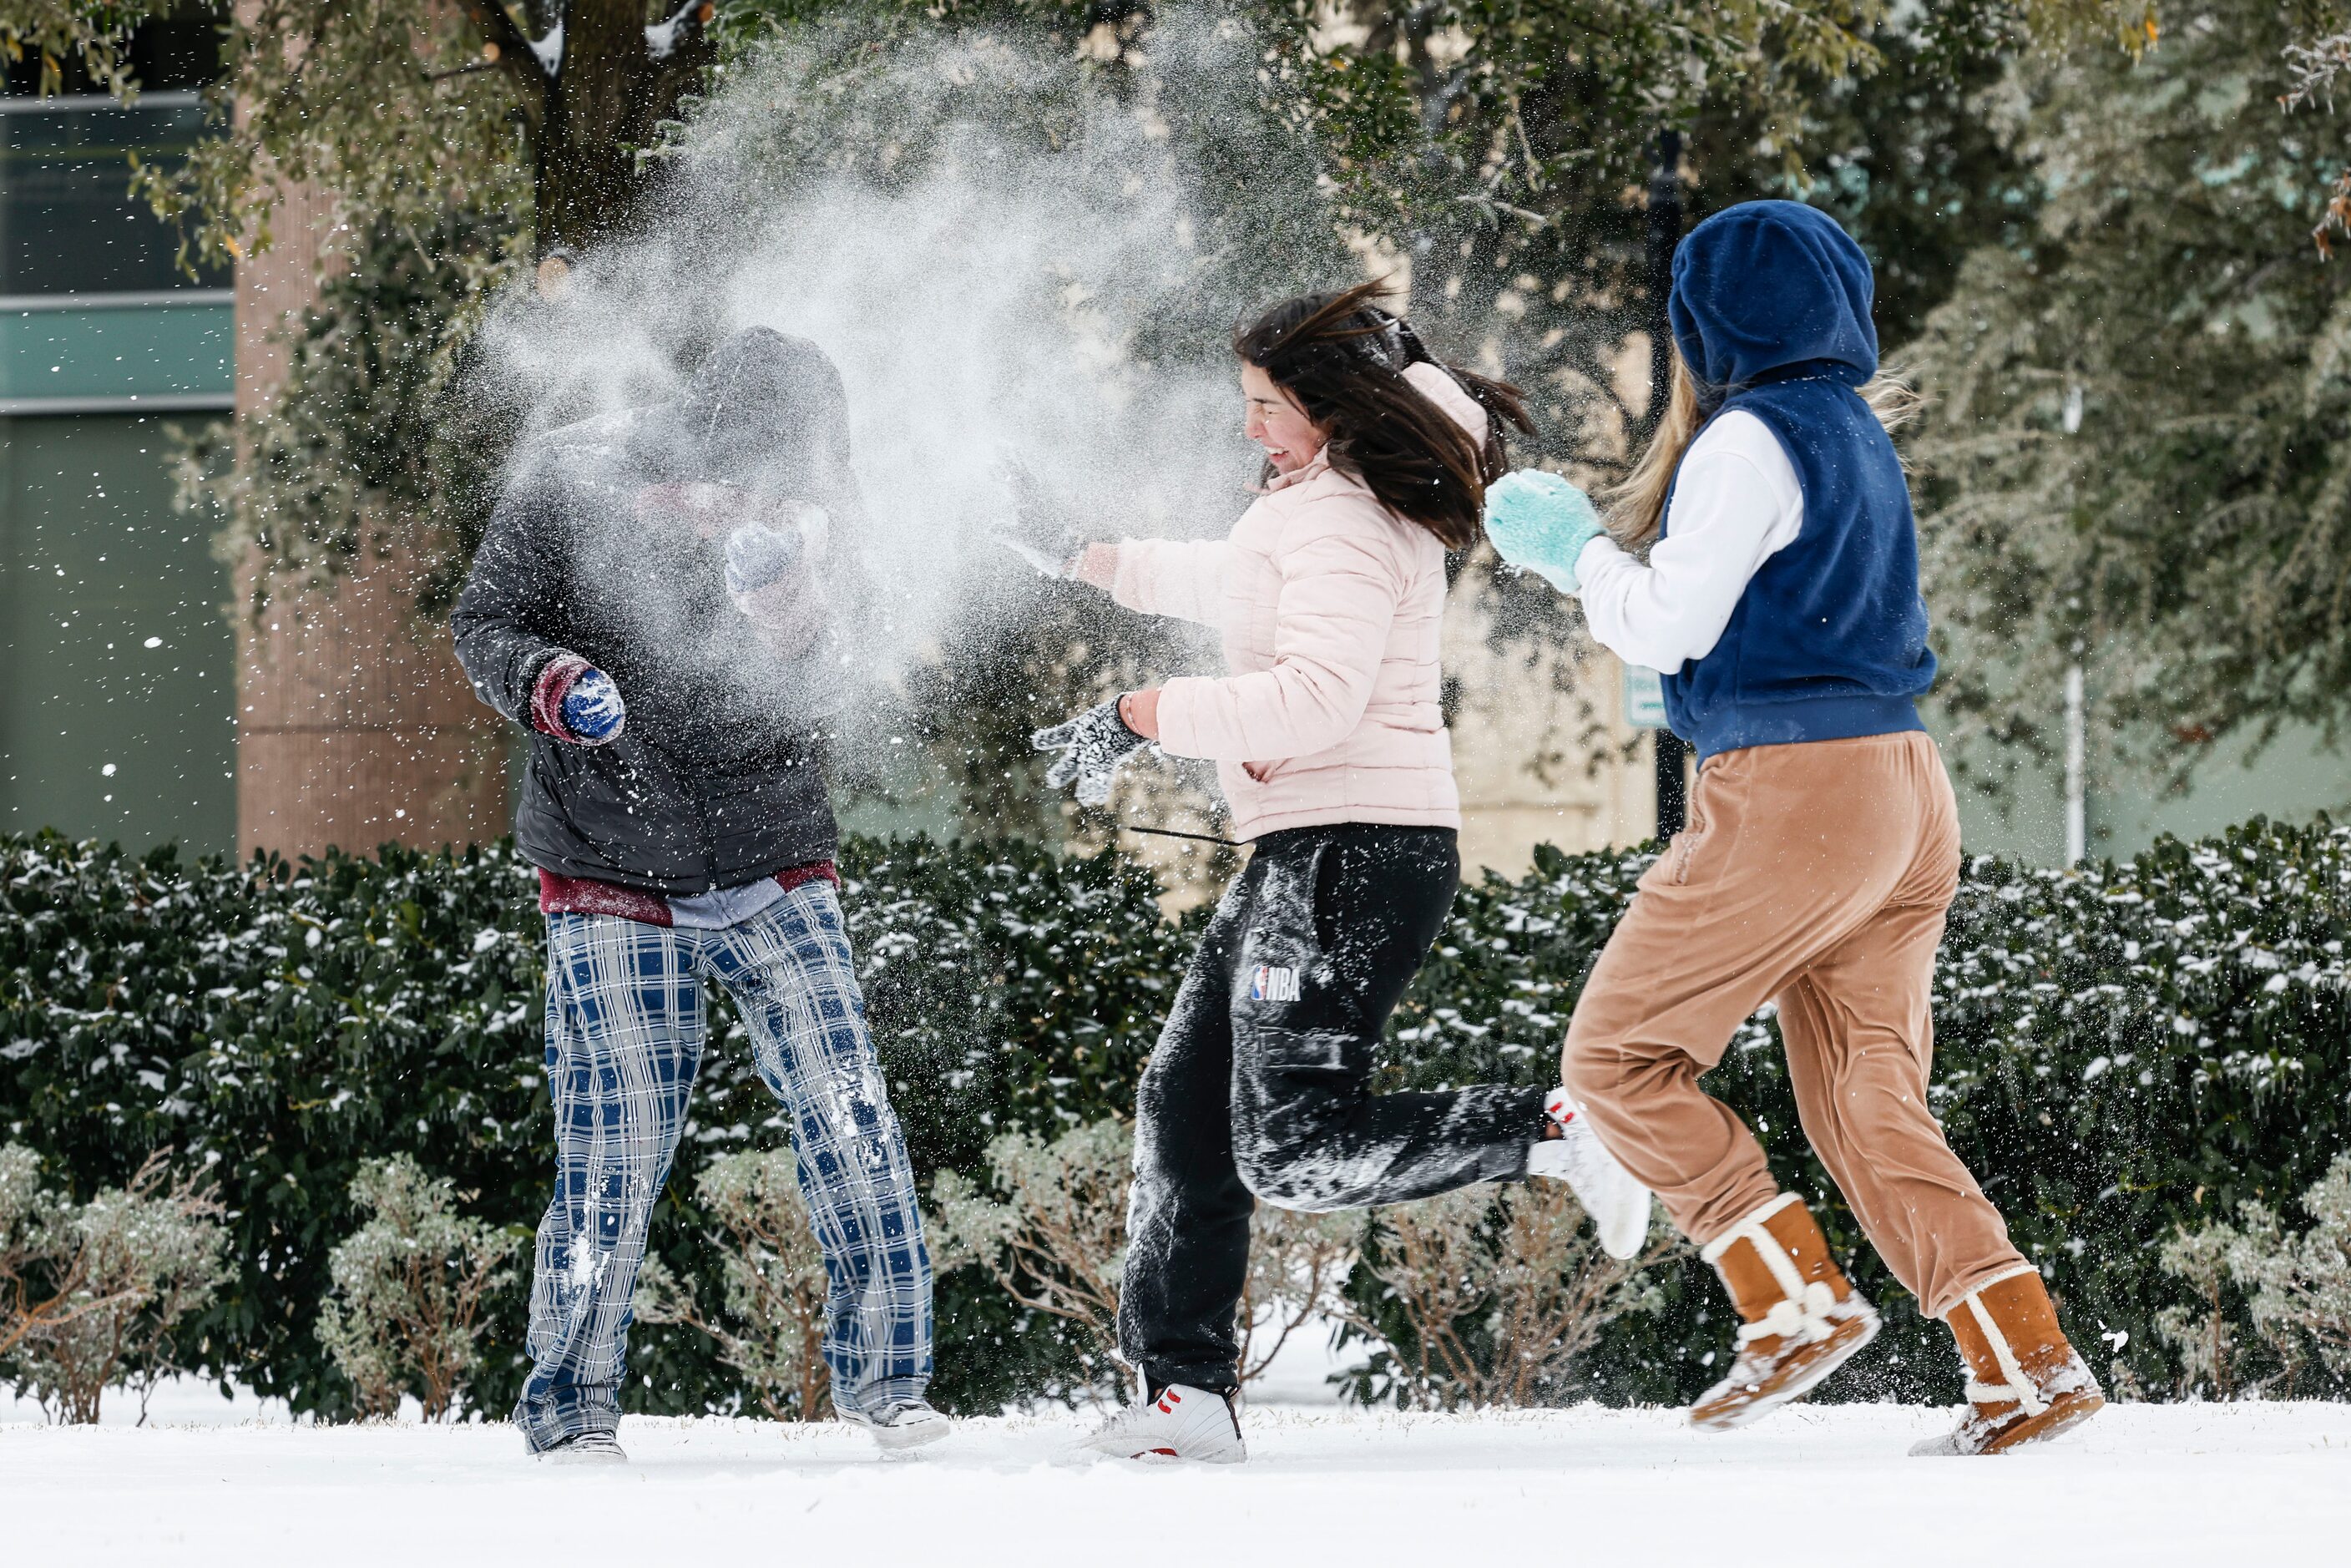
{"x":1055,"y":1242}
{"x":2122,"y":1052}
{"x":1492,"y":1296}
{"x":91,"y":1294}
{"x":280,"y":1024}
{"x":772,"y":1282}
{"x":2295,"y":1287}
{"x":405,"y":1314}
{"x":284,"y":1021}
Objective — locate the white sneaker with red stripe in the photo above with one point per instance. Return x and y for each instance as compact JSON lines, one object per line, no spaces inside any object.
{"x":1180,"y":1422}
{"x":1618,"y":1205}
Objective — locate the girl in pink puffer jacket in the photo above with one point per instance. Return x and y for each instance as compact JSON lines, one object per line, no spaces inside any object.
{"x":1329,"y":595}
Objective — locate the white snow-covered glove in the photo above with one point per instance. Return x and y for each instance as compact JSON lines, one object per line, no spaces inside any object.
{"x":1091,"y":745}
{"x":1540,"y":523}
{"x":759,"y":553}
{"x":1040,"y":530}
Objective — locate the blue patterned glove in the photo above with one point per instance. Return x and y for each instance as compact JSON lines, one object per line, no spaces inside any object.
{"x":1540,"y":523}
{"x":594,"y":708}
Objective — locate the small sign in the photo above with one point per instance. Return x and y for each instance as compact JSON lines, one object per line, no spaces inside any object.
{"x":1644,"y":699}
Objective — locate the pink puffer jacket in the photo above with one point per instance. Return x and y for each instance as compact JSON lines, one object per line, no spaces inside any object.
{"x":1330,"y":607}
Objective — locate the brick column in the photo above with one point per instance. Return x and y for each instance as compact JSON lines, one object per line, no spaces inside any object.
{"x":355,"y":723}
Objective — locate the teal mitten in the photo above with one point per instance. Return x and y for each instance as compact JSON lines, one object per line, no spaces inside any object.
{"x":1540,"y":523}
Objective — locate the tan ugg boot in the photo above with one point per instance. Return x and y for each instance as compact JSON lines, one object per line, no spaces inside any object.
{"x":1804,"y":1320}
{"x":2026,"y":1384}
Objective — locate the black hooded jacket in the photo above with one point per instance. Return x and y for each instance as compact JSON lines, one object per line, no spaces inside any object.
{"x":718,"y":779}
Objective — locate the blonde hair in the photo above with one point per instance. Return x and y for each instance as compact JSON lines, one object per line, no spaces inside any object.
{"x":1637,"y":504}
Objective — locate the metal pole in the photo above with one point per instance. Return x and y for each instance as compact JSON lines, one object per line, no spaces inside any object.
{"x":2077,"y":791}
{"x":2077,"y":780}
{"x":1665,"y":233}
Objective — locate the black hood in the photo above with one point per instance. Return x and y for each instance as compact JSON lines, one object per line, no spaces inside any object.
{"x":765,"y":410}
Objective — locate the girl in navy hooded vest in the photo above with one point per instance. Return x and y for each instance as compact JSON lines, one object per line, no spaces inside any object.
{"x":1780,"y":597}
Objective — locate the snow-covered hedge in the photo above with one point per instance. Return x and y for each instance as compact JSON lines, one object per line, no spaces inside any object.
{"x":278,"y":1023}
{"x":2121,"y":1050}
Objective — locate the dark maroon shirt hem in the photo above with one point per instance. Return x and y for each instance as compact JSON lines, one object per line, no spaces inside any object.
{"x":584,"y":896}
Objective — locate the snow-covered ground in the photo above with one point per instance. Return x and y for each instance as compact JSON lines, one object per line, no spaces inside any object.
{"x":2144,"y":1484}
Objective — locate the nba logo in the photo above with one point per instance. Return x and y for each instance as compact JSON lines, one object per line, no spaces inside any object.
{"x":1274,"y":985}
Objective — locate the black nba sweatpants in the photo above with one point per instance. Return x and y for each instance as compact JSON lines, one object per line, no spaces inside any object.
{"x":1258,"y":1086}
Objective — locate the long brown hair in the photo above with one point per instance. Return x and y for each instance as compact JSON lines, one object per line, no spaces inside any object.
{"x":1344,"y":358}
{"x":1636,"y":503}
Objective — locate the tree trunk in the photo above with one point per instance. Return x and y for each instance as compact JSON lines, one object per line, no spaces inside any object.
{"x":355,"y":725}
{"x":603,"y":105}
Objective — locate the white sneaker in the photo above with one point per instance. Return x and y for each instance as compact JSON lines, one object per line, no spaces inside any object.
{"x":1618,"y":1205}
{"x":1183,"y":1422}
{"x":588,"y":1448}
{"x":902,"y":1424}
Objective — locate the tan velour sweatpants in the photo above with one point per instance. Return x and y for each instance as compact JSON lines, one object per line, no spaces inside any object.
{"x":1816,"y":875}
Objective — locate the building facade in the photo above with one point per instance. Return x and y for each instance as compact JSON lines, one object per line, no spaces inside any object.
{"x":150,"y":697}
{"x":118,"y":713}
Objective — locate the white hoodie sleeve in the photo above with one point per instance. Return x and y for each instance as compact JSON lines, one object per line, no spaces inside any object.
{"x":1736,"y":502}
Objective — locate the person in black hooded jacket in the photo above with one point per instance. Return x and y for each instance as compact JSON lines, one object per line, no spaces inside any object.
{"x":608,"y":552}
{"x":666,"y":599}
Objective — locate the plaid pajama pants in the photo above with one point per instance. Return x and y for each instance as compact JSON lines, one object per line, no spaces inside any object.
{"x":625,"y":1026}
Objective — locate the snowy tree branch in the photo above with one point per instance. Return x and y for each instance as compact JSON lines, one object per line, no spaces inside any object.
{"x":516,"y":52}
{"x":685,"y":24}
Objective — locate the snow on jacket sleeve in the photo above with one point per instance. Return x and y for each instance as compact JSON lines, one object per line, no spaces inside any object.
{"x":500,"y":624}
{"x":1181,"y":579}
{"x":1340,"y":584}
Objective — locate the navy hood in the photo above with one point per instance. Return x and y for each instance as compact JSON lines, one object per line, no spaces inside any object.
{"x":1768,"y":288}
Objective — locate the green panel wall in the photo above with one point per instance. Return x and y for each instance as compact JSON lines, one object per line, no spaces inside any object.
{"x":119,"y":351}
{"x":115,"y":646}
{"x":2294,"y":781}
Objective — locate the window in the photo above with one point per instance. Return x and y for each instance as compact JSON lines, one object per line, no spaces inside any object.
{"x":68,"y":222}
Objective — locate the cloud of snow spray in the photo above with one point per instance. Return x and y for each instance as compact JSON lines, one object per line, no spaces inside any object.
{"x":1049,"y":290}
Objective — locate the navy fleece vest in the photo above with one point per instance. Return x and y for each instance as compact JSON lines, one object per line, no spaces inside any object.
{"x":1830,"y":639}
